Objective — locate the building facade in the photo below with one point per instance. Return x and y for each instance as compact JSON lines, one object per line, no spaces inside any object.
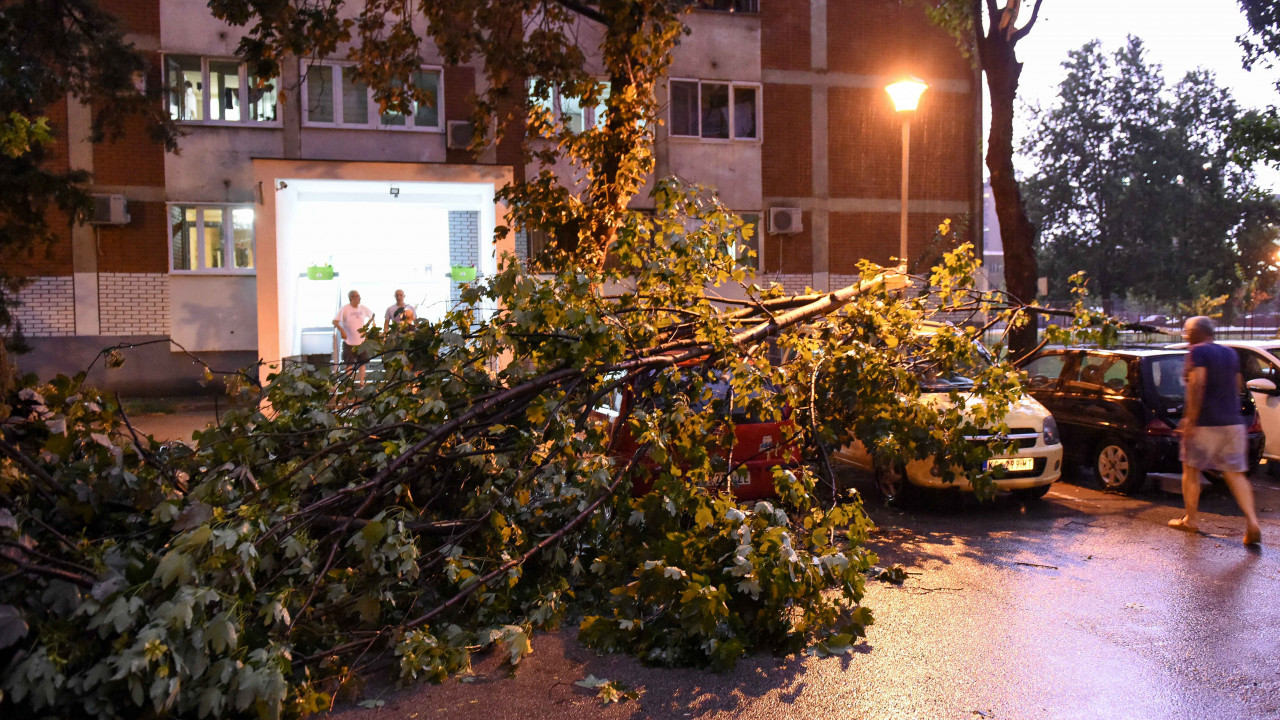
{"x":242,"y":245}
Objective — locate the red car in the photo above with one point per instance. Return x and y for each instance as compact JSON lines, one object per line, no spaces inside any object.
{"x":760,"y":444}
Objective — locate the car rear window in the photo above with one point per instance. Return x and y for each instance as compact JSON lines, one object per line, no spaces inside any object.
{"x":1167,"y":377}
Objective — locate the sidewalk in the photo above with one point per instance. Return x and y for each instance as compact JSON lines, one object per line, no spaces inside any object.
{"x":169,"y":419}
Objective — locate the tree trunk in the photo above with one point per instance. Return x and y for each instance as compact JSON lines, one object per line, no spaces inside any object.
{"x":1001,"y":66}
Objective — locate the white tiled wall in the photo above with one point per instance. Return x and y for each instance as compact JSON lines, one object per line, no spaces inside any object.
{"x":48,"y":307}
{"x":134,"y":303}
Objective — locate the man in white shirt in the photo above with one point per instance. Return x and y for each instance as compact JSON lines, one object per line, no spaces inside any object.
{"x":350,"y":321}
{"x":396,"y":313}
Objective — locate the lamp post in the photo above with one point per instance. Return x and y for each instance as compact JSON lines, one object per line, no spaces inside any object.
{"x":906,"y":96}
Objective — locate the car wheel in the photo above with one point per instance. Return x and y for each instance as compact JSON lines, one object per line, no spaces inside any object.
{"x":1118,"y":467}
{"x":1032,"y":494}
{"x":893,"y":485}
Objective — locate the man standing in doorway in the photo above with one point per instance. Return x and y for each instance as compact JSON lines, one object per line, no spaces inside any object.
{"x":396,"y":312}
{"x":1212,"y":428}
{"x":350,"y":321}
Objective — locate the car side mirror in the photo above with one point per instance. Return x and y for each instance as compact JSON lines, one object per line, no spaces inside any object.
{"x":1263,"y":385}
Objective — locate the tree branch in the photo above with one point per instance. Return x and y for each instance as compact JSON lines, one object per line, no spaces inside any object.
{"x":1022,"y":32}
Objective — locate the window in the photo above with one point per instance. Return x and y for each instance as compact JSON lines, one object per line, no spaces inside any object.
{"x":1254,"y":366}
{"x":1043,"y":372}
{"x":334,"y":97}
{"x":750,"y":224}
{"x":218,"y":91}
{"x":714,"y":110}
{"x":211,"y":238}
{"x":743,"y":6}
{"x":570,"y":109}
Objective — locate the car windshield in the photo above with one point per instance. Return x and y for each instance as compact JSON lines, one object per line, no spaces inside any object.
{"x":1167,"y":377}
{"x":958,"y":377}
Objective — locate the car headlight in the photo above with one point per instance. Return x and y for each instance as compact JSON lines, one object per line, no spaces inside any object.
{"x":1050,"y":434}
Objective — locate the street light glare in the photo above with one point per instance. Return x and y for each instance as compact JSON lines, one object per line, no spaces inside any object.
{"x":906,"y":93}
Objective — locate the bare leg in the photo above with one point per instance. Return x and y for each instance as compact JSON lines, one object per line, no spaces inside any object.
{"x":1243,"y":492}
{"x":1191,"y":497}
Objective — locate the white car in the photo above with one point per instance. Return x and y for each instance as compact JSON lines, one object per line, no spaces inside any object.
{"x":1028,"y":472}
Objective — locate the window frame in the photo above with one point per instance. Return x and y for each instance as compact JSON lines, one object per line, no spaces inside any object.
{"x":590,"y":118}
{"x":371,"y":106}
{"x":732,"y":86}
{"x":228,"y":247}
{"x":206,"y":99}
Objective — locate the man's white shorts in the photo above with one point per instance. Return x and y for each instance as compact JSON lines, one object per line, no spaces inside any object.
{"x":1216,"y":447}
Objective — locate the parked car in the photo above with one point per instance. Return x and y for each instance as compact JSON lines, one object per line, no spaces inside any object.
{"x":1028,"y":472}
{"x":760,"y":444}
{"x":1260,"y":370}
{"x":1117,"y":409}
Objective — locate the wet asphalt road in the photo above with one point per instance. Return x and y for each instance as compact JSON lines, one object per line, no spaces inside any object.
{"x":1084,"y":605}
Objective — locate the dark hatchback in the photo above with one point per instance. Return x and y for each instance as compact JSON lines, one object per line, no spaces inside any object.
{"x":1117,"y":409}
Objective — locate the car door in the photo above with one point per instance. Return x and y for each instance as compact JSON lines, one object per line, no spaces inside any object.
{"x":1045,"y":383}
{"x":1254,"y":365}
{"x":1089,"y":410}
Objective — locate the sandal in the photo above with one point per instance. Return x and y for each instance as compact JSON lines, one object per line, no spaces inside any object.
{"x":1182,"y":524}
{"x":1253,"y":536}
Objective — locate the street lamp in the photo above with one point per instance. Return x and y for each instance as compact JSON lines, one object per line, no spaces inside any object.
{"x":906,"y":96}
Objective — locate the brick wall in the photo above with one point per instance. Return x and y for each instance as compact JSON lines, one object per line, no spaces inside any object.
{"x":133,"y":303}
{"x":785,"y":33}
{"x":875,"y":237}
{"x":142,"y":246}
{"x":459,"y":101}
{"x":464,"y":243}
{"x":52,"y":258}
{"x":56,"y":156}
{"x":889,"y":37}
{"x":47,"y":307}
{"x":792,"y":283}
{"x":140,"y":17}
{"x":132,"y":158}
{"x":522,"y":244}
{"x":787,"y":152}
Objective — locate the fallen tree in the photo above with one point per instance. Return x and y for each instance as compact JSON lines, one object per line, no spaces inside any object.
{"x":474,"y":493}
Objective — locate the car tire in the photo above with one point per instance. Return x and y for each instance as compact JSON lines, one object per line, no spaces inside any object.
{"x":894,"y":487}
{"x":1118,"y":467}
{"x":1032,"y":494}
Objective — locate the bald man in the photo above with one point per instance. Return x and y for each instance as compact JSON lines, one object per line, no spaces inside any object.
{"x":1212,"y":428}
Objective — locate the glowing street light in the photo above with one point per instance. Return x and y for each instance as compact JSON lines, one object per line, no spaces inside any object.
{"x":906,"y":97}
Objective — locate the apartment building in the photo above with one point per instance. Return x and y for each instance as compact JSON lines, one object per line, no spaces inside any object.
{"x":243,"y":245}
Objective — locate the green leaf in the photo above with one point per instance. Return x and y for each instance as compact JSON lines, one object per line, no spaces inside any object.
{"x":175,"y":566}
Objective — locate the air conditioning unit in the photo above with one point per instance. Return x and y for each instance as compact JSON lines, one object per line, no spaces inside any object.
{"x":109,"y":210}
{"x":785,"y":220}
{"x":459,"y":134}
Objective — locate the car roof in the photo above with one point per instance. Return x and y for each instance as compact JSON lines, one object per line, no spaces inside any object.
{"x":1268,"y":345}
{"x":1127,"y":352}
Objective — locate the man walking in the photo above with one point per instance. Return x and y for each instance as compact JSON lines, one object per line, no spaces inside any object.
{"x":350,"y":322}
{"x":1212,"y":428}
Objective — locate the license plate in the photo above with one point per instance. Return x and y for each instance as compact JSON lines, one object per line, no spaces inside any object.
{"x":1012,"y":464}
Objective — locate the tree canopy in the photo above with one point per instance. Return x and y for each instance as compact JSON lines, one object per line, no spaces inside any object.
{"x":1137,"y":183}
{"x":993,"y":45}
{"x":487,"y":485}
